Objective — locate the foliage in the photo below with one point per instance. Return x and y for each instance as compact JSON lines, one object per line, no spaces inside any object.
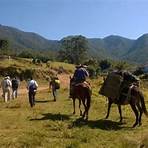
{"x":104,"y":64}
{"x":74,"y":49}
{"x":4,"y":46}
{"x":121,"y":65}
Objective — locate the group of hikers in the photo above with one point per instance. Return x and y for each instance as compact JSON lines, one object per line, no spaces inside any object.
{"x":120,"y":87}
{"x":9,"y":86}
{"x":80,"y":75}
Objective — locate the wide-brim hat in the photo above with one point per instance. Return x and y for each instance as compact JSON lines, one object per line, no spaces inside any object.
{"x":84,"y":66}
{"x":7,"y":77}
{"x":78,"y":66}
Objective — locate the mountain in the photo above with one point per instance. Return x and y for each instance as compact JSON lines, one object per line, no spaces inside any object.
{"x":139,"y":51}
{"x":113,"y":47}
{"x":26,"y":40}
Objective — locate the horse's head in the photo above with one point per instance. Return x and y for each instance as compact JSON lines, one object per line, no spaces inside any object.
{"x":130,"y":77}
{"x":71,"y":79}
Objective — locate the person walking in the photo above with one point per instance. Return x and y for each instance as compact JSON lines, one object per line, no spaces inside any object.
{"x":54,"y":84}
{"x":32,"y":88}
{"x":15,"y":84}
{"x":6,"y":88}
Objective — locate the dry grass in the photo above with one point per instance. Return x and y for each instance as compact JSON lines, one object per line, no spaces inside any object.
{"x":52,"y":125}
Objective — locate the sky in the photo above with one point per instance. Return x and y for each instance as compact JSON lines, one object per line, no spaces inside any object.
{"x":55,"y":19}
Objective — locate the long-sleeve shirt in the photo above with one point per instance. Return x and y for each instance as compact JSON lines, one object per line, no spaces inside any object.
{"x":80,"y":74}
{"x":32,"y":84}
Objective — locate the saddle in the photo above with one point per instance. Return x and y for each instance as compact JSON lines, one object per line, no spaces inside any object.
{"x":84,"y":84}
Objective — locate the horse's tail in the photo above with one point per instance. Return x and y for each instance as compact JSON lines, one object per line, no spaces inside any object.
{"x":143,"y":104}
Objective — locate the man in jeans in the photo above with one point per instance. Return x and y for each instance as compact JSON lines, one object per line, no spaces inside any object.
{"x":15,"y":84}
{"x":32,"y":88}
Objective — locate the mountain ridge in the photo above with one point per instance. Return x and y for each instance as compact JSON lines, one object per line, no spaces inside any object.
{"x":113,"y":46}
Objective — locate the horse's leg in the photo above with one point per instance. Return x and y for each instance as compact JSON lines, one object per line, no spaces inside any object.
{"x":87,"y":106}
{"x":141,"y":112}
{"x":108,"y":110}
{"x":136,"y":114}
{"x":74,"y":105}
{"x":80,"y":107}
{"x":120,"y":112}
{"x":83,"y":101}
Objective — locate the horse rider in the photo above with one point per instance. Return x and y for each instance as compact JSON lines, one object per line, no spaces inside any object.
{"x":6,"y":88}
{"x":32,"y":88}
{"x":79,"y":76}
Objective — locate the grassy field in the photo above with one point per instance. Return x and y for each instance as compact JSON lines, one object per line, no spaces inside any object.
{"x":51,"y":124}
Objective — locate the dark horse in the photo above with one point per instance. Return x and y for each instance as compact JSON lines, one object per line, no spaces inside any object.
{"x":81,"y":92}
{"x":136,"y":101}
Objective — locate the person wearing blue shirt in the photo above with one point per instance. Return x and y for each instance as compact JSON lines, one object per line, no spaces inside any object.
{"x":80,"y":74}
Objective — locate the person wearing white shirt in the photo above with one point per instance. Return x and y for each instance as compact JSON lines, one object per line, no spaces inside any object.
{"x":6,"y":87}
{"x":32,"y":88}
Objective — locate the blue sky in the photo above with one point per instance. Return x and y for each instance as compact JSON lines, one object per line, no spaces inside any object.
{"x":55,"y":19}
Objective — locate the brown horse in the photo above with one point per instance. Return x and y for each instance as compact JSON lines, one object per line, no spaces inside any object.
{"x":82,"y":93}
{"x":136,"y":101}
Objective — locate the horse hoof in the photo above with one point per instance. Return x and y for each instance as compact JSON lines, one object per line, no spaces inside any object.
{"x":135,"y":125}
{"x":86,"y":119}
{"x":140,"y":124}
{"x":106,"y":117}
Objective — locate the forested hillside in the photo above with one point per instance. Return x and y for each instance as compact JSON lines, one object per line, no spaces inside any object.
{"x":113,"y":47}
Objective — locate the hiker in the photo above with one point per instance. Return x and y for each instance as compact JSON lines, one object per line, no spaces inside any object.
{"x":32,"y":88}
{"x":54,"y":84}
{"x":15,"y":84}
{"x":79,"y":76}
{"x":6,"y":88}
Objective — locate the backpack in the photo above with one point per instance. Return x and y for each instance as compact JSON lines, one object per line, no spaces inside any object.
{"x":57,"y":84}
{"x":32,"y":88}
{"x":15,"y":83}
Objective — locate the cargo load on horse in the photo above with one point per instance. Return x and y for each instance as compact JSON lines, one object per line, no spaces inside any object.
{"x":117,"y":85}
{"x":127,"y":91}
{"x":111,"y":86}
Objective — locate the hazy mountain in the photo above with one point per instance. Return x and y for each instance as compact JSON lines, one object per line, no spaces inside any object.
{"x":114,"y":47}
{"x":23,"y":40}
{"x":139,"y":51}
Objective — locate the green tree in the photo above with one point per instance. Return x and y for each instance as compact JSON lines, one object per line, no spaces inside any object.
{"x":104,"y":64}
{"x":122,"y":65}
{"x":4,"y":44}
{"x":74,"y":49}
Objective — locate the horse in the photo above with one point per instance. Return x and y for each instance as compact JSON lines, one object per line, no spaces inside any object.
{"x":81,"y":92}
{"x":136,"y":101}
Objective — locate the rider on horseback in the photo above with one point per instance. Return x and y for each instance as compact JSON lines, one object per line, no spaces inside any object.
{"x":79,"y":76}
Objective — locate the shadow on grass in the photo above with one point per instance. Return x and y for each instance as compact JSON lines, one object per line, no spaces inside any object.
{"x":43,"y":101}
{"x":100,"y":124}
{"x":54,"y":117}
